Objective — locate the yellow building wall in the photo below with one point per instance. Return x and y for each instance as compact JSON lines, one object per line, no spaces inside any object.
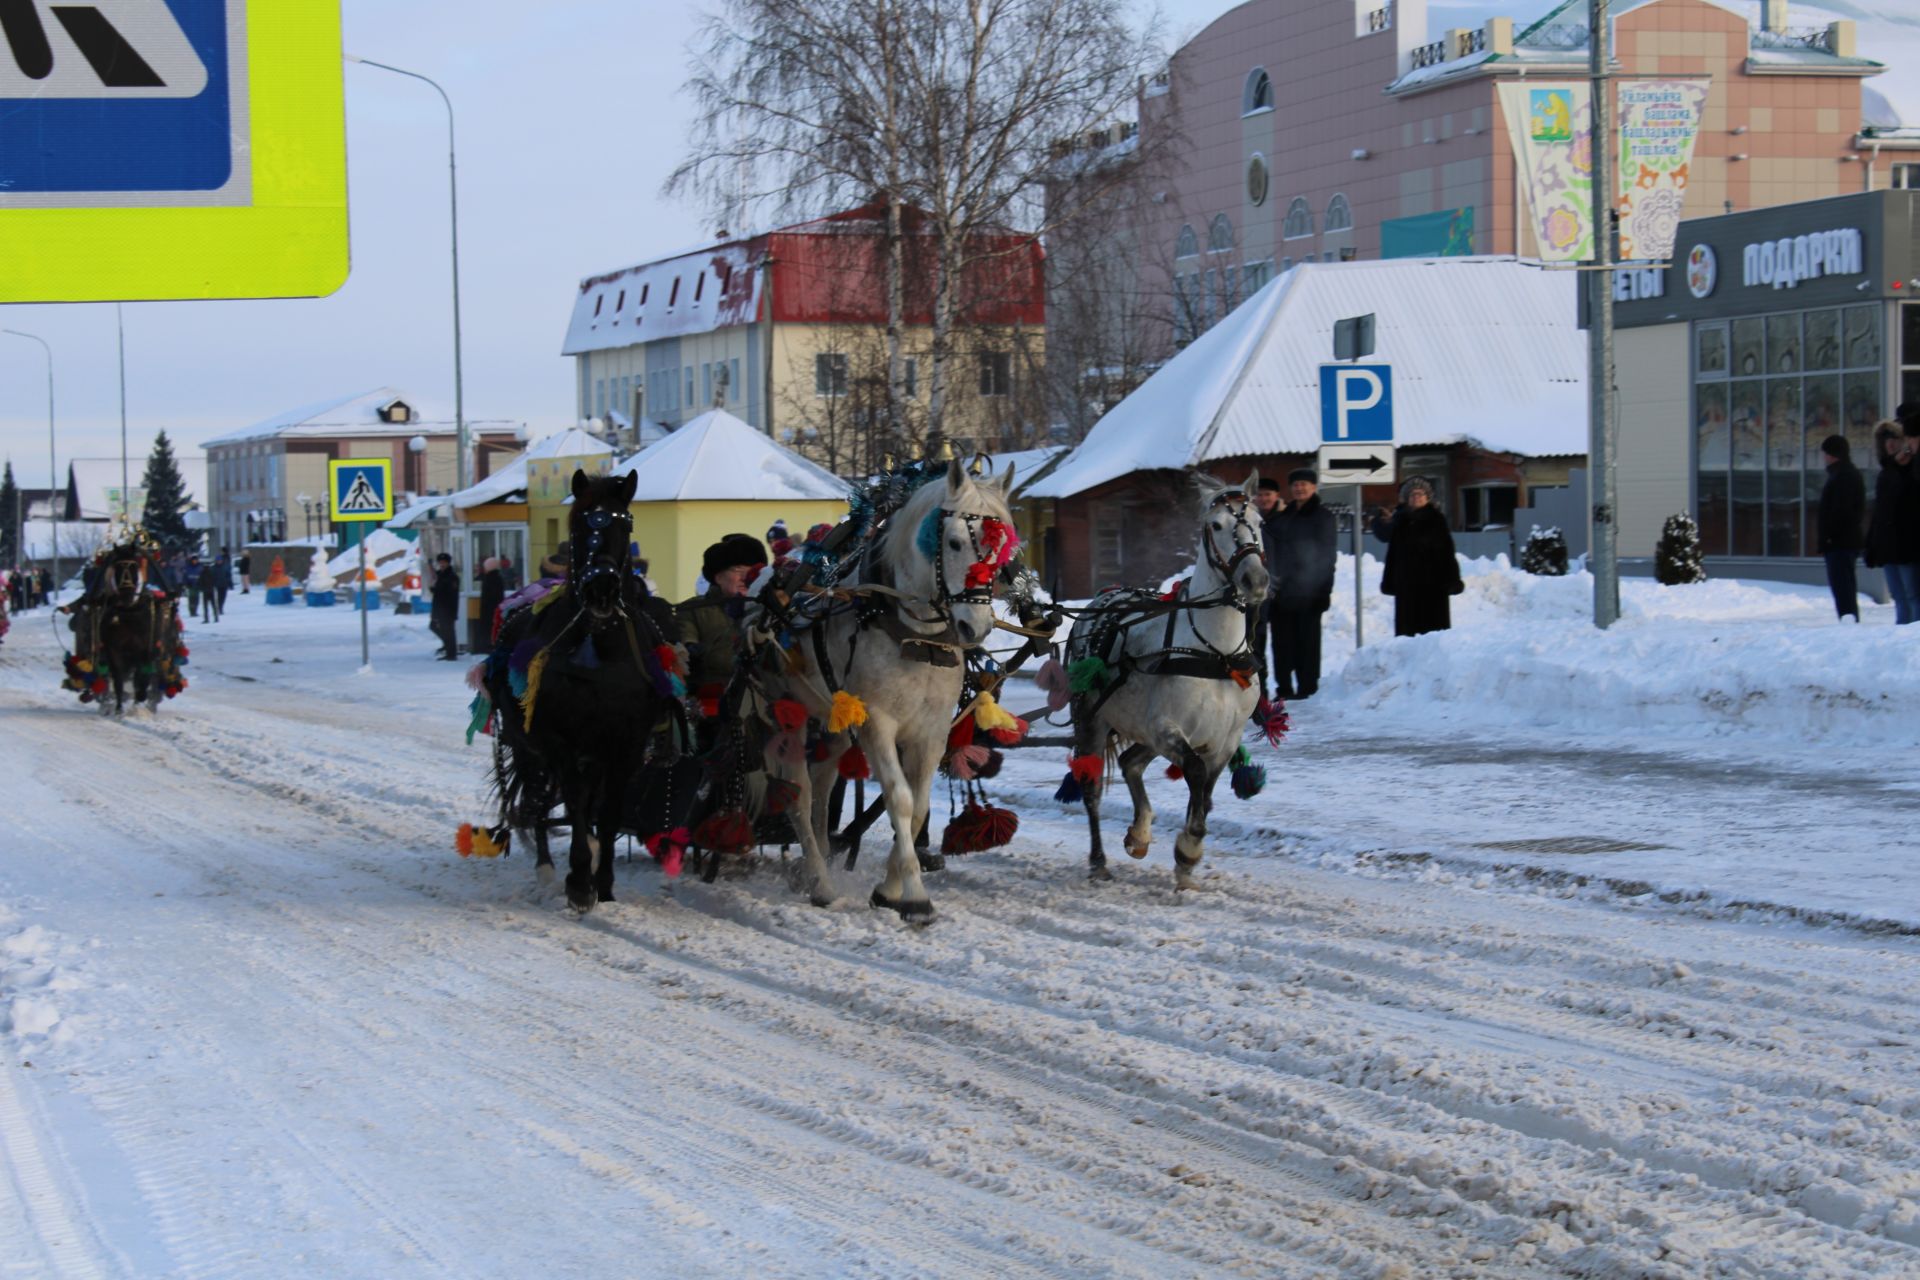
{"x":674,"y":535}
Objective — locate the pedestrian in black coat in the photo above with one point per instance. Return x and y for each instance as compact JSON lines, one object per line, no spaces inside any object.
{"x":446,"y":604}
{"x":1893,"y":534}
{"x":1268,"y":504}
{"x":493,"y":589}
{"x":1843,"y":512}
{"x":1305,"y":545}
{"x":1422,"y":573}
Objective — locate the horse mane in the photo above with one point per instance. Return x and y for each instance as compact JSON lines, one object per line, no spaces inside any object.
{"x":898,"y":551}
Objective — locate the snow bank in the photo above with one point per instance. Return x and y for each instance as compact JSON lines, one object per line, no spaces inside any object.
{"x":1713,"y":658}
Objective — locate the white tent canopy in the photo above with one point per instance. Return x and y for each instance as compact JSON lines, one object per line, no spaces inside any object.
{"x":718,"y":458}
{"x":1482,"y":349}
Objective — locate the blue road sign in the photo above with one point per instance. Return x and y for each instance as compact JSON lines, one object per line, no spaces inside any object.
{"x":1356,"y":403}
{"x":122,"y":102}
{"x":361,"y":489}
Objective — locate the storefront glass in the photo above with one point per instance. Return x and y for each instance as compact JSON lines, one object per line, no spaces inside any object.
{"x":1909,"y":353}
{"x":1792,"y":379}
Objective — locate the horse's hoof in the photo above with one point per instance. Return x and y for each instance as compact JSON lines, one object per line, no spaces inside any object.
{"x":545,"y":874}
{"x":607,"y":896}
{"x":881,"y":902}
{"x":819,"y":899}
{"x":932,"y":861}
{"x":1100,"y":874}
{"x":920,"y":912}
{"x":581,"y":900}
{"x":1136,"y":849}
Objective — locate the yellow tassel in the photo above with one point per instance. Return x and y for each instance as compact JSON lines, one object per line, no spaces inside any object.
{"x":484,"y":845}
{"x":541,"y":605}
{"x":535,"y":670}
{"x":990,"y":715}
{"x":848,"y":713}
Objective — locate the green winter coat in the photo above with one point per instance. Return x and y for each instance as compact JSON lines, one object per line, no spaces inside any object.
{"x":711,"y":637}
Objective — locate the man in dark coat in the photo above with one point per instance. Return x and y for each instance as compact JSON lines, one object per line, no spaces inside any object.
{"x":710,"y":622}
{"x":1301,"y":566}
{"x":1893,"y":534}
{"x":493,"y":589}
{"x":1422,"y":573}
{"x":1267,"y":506}
{"x":446,"y":604}
{"x":1843,"y":510}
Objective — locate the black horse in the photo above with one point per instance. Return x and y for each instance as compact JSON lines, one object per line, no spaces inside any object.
{"x":129,"y":629}
{"x":581,"y":685}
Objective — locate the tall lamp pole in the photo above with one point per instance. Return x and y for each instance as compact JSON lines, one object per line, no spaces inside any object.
{"x":463,"y":465}
{"x":1601,"y":435}
{"x":53,"y":474}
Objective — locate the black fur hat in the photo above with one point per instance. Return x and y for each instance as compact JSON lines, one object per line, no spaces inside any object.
{"x":732,"y":551}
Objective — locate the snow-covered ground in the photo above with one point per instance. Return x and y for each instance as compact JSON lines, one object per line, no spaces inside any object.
{"x":1545,"y":953}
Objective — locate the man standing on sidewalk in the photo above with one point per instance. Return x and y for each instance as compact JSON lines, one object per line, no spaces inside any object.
{"x":1843,"y":510}
{"x":1301,"y":566}
{"x":446,"y":603}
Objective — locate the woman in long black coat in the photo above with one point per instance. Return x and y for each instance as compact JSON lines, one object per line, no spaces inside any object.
{"x":1422,"y":573}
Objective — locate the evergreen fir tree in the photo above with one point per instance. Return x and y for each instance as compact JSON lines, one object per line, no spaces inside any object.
{"x":1545,"y":554}
{"x":1677,"y":558}
{"x":167,"y":500}
{"x":10,"y":518}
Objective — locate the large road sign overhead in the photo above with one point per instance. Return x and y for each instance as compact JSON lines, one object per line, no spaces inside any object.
{"x":171,"y":149}
{"x":360,"y":489}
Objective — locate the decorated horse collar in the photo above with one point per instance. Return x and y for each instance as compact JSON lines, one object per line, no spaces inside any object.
{"x":994,"y":543}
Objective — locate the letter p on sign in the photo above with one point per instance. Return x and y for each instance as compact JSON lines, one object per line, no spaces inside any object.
{"x":1356,"y":403}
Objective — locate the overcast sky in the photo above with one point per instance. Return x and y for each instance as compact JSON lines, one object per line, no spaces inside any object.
{"x":569,"y":117}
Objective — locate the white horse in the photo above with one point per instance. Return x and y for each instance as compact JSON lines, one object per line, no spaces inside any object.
{"x":898,"y":650}
{"x":1179,"y":682}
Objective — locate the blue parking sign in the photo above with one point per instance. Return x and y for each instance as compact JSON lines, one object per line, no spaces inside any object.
{"x":1356,"y":403}
{"x":119,"y":102}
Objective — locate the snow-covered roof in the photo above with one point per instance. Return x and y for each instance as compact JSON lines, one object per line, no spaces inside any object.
{"x":1482,"y":349}
{"x":93,"y":478}
{"x":1028,"y":464}
{"x":571,"y":443}
{"x":717,"y":457}
{"x":357,"y":415}
{"x":382,"y":546}
{"x":696,"y":292}
{"x":501,"y":486}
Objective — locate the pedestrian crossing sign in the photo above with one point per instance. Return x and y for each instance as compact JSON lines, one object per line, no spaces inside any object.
{"x":360,"y":489}
{"x":171,"y":149}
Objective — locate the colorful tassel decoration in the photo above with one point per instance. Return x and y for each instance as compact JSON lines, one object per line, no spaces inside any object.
{"x":853,"y":764}
{"x":1051,"y":679}
{"x":978,"y":828}
{"x":670,"y":659}
{"x":668,"y":849}
{"x":789,"y":714}
{"x":477,"y":676}
{"x":1272,"y":721}
{"x":1241,"y":757}
{"x":927,"y":537}
{"x":1175,"y":772}
{"x":961,"y":734}
{"x":1070,"y":791}
{"x":990,"y":715}
{"x":528,"y":699}
{"x":991,"y":768}
{"x":1249,"y":780}
{"x":479,"y":842}
{"x":1010,"y":735}
{"x":848,"y":713}
{"x":965,"y":764}
{"x":1087,"y":770}
{"x":479,"y":711}
{"x":1088,"y":674}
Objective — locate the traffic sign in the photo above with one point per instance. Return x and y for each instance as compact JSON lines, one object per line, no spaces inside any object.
{"x":360,"y":489}
{"x":1356,"y":403}
{"x":171,"y":149}
{"x":1355,"y":464}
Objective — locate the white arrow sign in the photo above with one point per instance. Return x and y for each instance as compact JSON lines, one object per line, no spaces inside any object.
{"x":1356,"y":464}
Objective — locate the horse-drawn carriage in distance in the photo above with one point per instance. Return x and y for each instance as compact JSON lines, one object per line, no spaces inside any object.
{"x":861,"y":654}
{"x":128,"y":641}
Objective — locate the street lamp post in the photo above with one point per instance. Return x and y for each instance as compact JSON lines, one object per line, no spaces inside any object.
{"x":53,"y":474}
{"x":462,"y":465}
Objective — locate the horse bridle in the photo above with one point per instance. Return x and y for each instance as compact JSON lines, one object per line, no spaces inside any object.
{"x":966,"y":595}
{"x":1237,"y":504}
{"x":593,"y":562}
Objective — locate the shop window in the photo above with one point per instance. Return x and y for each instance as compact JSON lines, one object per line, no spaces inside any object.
{"x":1784,"y":451}
{"x":1488,"y":506}
{"x":1710,"y":351}
{"x":1862,"y":337}
{"x":1712,"y":452}
{"x":1749,"y":337}
{"x":1909,"y":352}
{"x":1783,"y":343}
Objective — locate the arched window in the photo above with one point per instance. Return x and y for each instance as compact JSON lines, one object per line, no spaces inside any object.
{"x":1220,"y":234}
{"x":1187,"y":245}
{"x":1258,"y":94}
{"x":1299,"y":220}
{"x":1339,"y":214}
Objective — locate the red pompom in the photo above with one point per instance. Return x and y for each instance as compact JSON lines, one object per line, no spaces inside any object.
{"x":669,"y":659}
{"x":979,"y":575}
{"x":853,"y":764}
{"x":979,"y":827}
{"x":1087,"y":769}
{"x":789,"y":714}
{"x":725,"y":833}
{"x":1010,"y":737}
{"x":960,"y":735}
{"x":1175,"y":772}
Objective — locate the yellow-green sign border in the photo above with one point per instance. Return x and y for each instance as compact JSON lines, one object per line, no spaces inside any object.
{"x":290,"y":241}
{"x":333,"y":490}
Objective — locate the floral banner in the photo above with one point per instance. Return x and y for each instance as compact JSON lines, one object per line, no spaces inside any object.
{"x":1550,"y":126}
{"x":1659,"y":120}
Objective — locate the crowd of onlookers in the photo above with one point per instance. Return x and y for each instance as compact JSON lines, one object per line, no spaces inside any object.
{"x":26,"y":588}
{"x":1887,"y":537}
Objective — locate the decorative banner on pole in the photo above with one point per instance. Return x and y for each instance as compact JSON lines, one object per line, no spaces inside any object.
{"x":1659,"y":120}
{"x":1552,"y":138}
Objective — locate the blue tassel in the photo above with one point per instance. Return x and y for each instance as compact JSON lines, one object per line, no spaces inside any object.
{"x":1249,"y":780}
{"x":677,"y":685}
{"x":928,"y":538}
{"x":1069,"y":792}
{"x":586,"y":655}
{"x":663,"y":680}
{"x":517,"y":681}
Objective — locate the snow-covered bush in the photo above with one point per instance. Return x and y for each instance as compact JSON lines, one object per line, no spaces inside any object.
{"x":1545,"y":554}
{"x":1677,"y":559}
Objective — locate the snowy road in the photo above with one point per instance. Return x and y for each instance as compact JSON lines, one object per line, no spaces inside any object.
{"x":258,"y":1020}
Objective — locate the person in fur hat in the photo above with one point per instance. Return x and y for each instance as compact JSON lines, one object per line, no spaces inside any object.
{"x":710,"y":621}
{"x":1300,"y":562}
{"x":1422,"y":573}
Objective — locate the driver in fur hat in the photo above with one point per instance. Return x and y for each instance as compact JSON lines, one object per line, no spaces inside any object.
{"x":710,"y":622}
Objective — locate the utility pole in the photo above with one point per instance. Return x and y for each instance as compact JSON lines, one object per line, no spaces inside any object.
{"x":1601,"y":432}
